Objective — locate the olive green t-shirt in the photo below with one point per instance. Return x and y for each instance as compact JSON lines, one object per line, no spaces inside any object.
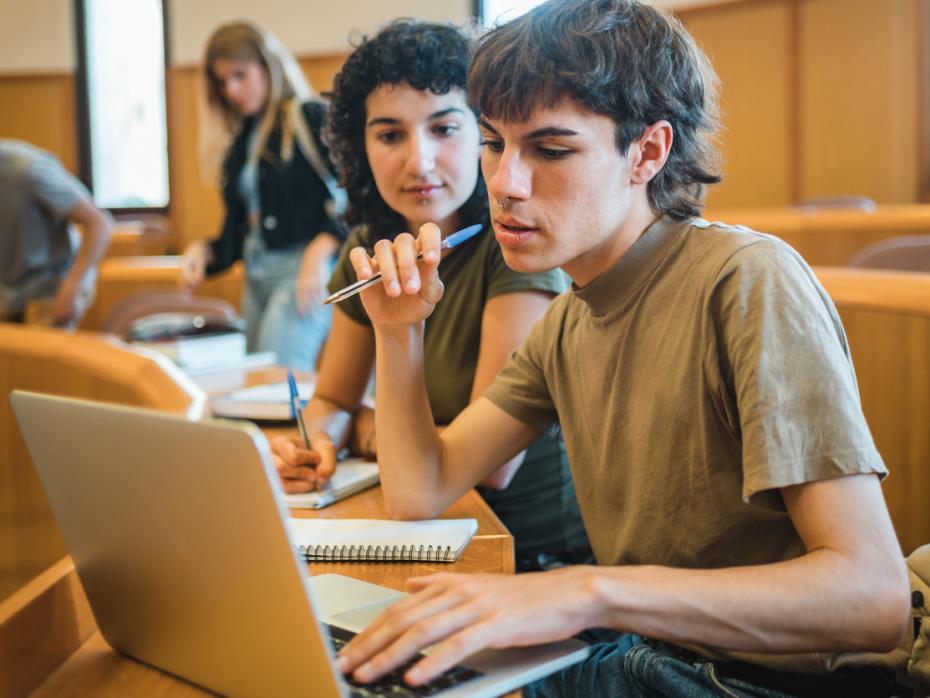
{"x":539,"y":506}
{"x":707,"y":369}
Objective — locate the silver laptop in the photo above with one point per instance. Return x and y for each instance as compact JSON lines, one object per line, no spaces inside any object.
{"x":176,"y":529}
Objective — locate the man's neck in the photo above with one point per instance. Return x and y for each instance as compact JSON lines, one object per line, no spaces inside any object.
{"x":598,"y":260}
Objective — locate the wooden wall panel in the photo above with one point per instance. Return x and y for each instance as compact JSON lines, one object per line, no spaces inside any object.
{"x":749,"y":45}
{"x":820,"y":98}
{"x":320,"y":70}
{"x":196,"y":205}
{"x":40,"y":109}
{"x":859,"y":97}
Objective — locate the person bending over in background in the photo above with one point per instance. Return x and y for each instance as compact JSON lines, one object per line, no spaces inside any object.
{"x":282,"y":205}
{"x":47,"y":271}
{"x":407,"y":145}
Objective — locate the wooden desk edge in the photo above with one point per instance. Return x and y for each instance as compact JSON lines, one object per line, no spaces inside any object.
{"x":876,"y":289}
{"x":41,"y":626}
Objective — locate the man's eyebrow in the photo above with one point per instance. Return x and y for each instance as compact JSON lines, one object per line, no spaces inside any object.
{"x":435,"y":115}
{"x":544,"y":132}
{"x":482,"y":122}
{"x":547,"y":131}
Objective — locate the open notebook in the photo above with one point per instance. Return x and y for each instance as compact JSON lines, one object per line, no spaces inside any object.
{"x":269,"y":402}
{"x":433,"y":540}
{"x":352,"y":475}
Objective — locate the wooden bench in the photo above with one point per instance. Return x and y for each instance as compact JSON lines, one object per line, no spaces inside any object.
{"x":829,"y":237}
{"x":887,"y":320}
{"x":119,"y":277}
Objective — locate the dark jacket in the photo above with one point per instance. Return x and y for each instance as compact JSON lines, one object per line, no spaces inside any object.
{"x":291,"y":194}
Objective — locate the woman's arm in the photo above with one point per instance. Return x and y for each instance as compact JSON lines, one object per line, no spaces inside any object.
{"x":345,"y":369}
{"x":315,"y":266}
{"x":505,"y":323}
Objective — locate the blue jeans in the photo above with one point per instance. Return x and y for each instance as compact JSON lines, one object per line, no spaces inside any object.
{"x":269,"y":306}
{"x":627,"y":667}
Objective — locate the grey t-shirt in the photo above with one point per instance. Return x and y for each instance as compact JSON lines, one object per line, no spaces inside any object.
{"x":37,"y":245}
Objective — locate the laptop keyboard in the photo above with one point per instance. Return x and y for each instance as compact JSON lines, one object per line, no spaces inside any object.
{"x":393,"y":684}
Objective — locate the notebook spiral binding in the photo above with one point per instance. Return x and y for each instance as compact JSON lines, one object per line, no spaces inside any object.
{"x":358,"y":553}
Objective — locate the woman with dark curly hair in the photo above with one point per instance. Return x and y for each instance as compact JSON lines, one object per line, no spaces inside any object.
{"x":407,"y":146}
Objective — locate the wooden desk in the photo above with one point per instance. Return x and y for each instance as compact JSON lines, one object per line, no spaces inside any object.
{"x":50,"y":644}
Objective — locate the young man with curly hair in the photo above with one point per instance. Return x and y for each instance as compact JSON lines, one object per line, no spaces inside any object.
{"x":700,"y":376}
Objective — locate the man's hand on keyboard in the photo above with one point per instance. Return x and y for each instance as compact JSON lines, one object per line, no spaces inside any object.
{"x":463,"y":613}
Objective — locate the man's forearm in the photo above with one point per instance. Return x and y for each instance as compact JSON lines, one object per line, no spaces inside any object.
{"x":409,"y":448}
{"x":820,"y":602}
{"x":94,"y":244}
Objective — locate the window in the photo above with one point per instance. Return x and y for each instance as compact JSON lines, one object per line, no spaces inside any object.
{"x":492,"y":12}
{"x":121,"y":66}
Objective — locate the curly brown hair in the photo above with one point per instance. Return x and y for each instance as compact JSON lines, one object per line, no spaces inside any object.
{"x":423,"y":55}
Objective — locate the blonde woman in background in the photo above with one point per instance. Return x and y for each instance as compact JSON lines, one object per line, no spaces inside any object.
{"x":281,"y":204}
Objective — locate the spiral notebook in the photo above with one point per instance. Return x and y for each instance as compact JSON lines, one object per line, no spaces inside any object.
{"x":370,"y":540}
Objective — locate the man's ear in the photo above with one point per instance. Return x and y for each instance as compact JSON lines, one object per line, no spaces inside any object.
{"x":651,"y":152}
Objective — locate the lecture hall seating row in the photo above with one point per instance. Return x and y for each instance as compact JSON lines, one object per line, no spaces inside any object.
{"x":828,"y":236}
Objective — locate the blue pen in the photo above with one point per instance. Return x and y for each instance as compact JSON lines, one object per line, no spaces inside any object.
{"x":456,"y":238}
{"x":296,"y":413}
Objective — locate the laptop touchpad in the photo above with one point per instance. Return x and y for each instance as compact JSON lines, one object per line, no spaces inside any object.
{"x":349,"y":603}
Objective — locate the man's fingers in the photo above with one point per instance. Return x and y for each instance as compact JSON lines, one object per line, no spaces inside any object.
{"x":402,"y":632}
{"x":381,"y":631}
{"x":451,"y":651}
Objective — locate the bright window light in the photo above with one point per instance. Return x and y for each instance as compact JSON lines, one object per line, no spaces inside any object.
{"x":126,"y":103}
{"x":500,"y":11}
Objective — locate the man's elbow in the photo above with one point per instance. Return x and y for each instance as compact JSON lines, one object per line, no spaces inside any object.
{"x":888,"y":615}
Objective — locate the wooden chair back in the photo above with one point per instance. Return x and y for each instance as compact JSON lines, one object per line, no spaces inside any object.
{"x":887,"y":319}
{"x":85,"y":365}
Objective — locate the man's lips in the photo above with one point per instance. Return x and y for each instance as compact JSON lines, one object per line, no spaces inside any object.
{"x":513,"y":225}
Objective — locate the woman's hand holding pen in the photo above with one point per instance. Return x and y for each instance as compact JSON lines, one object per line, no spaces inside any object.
{"x":409,"y":288}
{"x":302,"y":469}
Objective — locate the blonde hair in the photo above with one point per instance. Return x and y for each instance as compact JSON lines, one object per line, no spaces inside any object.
{"x":242,"y":41}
